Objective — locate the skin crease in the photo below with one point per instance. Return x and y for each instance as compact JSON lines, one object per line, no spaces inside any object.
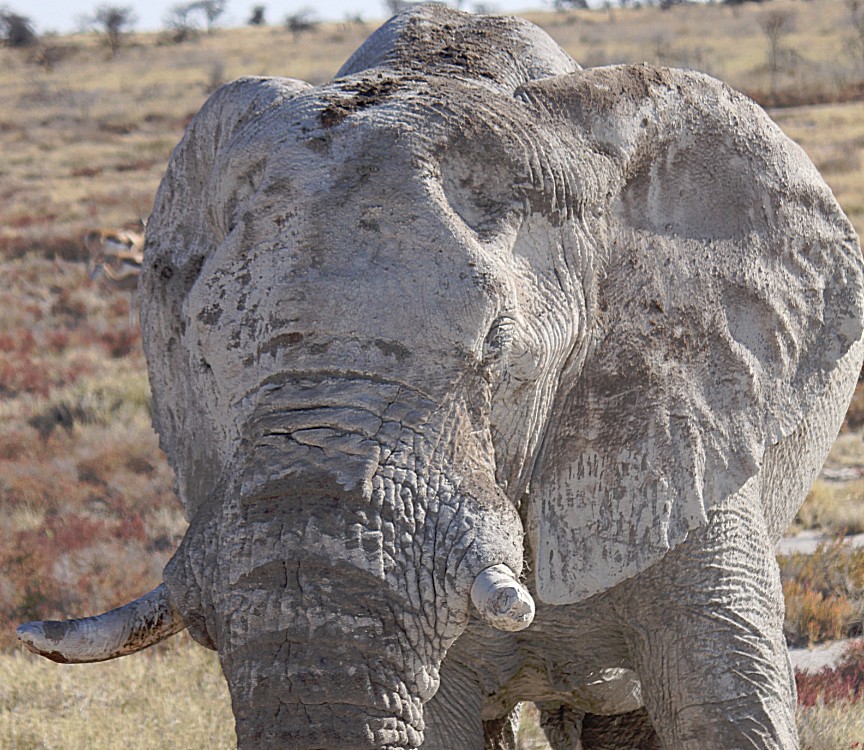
{"x":468,"y":305}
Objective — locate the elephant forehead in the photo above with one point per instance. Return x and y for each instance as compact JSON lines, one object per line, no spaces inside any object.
{"x":324,"y":236}
{"x":412,"y":111}
{"x":500,"y":50}
{"x":386,"y":152}
{"x":340,"y":187}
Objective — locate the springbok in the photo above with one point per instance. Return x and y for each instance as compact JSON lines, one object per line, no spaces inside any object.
{"x":115,"y":258}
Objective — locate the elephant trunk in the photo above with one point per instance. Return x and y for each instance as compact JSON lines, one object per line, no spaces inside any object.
{"x":338,"y":561}
{"x":125,"y":630}
{"x":350,"y":663}
{"x":333,"y":726}
{"x":338,"y":666}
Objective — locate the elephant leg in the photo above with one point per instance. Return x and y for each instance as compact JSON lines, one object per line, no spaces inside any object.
{"x":705,"y":631}
{"x":453,"y":714}
{"x":632,"y":730}
{"x":501,"y":734}
{"x":562,"y":724}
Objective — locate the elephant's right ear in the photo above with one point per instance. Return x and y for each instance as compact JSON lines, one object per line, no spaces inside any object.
{"x":727,"y":285}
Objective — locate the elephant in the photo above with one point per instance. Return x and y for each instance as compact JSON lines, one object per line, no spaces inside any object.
{"x":488,"y":379}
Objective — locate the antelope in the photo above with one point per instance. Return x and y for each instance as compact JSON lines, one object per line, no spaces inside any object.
{"x":115,"y":261}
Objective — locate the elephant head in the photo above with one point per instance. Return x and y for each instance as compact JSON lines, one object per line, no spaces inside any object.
{"x":465,"y":317}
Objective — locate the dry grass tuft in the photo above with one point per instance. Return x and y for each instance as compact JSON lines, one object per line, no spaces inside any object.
{"x":834,"y":727}
{"x":855,"y":414}
{"x":834,"y":507}
{"x":814,"y":617}
{"x":530,"y":736}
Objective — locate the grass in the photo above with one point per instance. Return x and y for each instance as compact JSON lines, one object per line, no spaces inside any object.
{"x":834,"y":507}
{"x":830,"y":710}
{"x":86,"y":496}
{"x":835,"y":727}
{"x":174,"y":696}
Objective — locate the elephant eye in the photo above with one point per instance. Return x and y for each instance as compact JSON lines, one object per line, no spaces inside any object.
{"x":499,"y":340}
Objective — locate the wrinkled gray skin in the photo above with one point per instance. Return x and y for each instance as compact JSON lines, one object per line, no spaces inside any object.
{"x":470,"y":305}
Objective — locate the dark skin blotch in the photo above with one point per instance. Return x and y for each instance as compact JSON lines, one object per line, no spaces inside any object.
{"x":364,"y":94}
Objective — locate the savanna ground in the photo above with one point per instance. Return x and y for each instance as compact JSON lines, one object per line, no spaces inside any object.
{"x":89,"y":514}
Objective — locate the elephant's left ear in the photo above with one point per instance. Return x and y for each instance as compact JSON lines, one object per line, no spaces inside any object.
{"x":726,"y":287}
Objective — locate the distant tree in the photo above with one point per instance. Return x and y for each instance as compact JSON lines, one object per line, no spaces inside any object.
{"x":562,"y":5}
{"x":180,"y":27}
{"x":257,"y":17}
{"x":353,"y":20}
{"x":776,"y":24}
{"x":180,"y":19}
{"x":856,"y":17}
{"x":302,"y":21}
{"x":211,"y":9}
{"x":397,"y":6}
{"x":16,"y":30}
{"x":114,"y":21}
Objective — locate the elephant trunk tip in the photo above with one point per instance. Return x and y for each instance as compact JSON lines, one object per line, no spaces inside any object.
{"x":501,"y":600}
{"x":135,"y":626}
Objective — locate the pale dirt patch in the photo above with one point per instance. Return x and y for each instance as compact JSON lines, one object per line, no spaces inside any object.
{"x":811,"y":660}
{"x":807,"y":542}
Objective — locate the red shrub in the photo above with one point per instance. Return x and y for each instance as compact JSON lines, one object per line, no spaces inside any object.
{"x":845,"y":682}
{"x":71,"y":532}
{"x":20,"y":374}
{"x":57,"y":340}
{"x":78,"y":367}
{"x":28,"y":486}
{"x":130,"y":529}
{"x":16,"y":444}
{"x":21,"y":341}
{"x":120,"y":343}
{"x":70,"y":306}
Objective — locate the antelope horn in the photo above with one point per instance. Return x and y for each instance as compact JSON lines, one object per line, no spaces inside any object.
{"x":501,"y":600}
{"x":122,"y":631}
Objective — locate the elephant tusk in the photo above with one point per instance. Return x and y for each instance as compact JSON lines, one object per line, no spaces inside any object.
{"x":125,"y":630}
{"x":501,"y":600}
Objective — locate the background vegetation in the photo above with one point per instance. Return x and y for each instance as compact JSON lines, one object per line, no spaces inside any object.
{"x":89,"y":514}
